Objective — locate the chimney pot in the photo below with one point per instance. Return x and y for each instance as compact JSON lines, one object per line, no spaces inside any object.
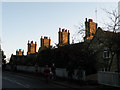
{"x":31,"y":41}
{"x":63,"y":30}
{"x":59,"y":29}
{"x":45,"y":37}
{"x":66,"y":30}
{"x":90,"y":20}
{"x":86,"y":19}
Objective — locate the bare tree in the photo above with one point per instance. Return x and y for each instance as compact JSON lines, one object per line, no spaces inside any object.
{"x":114,"y":20}
{"x":112,"y":25}
{"x":80,"y":34}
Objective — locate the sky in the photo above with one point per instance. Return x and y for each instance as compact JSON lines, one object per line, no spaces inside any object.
{"x":23,"y":21}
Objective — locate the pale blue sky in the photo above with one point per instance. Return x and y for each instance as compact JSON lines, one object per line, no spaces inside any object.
{"x":25,"y":21}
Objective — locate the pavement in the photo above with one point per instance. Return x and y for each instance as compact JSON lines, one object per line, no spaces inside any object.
{"x":63,"y":82}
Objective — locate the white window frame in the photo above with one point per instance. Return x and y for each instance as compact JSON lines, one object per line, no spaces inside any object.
{"x":106,"y":53}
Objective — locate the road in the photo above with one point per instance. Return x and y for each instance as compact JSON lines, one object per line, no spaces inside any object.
{"x":11,"y":80}
{"x":17,"y":81}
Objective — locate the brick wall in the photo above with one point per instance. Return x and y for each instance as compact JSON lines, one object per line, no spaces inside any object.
{"x":45,"y":42}
{"x":20,"y":52}
{"x":32,"y":47}
{"x":64,"y":37}
{"x":90,"y":28}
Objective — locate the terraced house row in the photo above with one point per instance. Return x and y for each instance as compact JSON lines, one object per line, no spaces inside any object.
{"x":63,"y":36}
{"x":103,"y":46}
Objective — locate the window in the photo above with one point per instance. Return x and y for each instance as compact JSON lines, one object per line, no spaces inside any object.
{"x":106,"y":53}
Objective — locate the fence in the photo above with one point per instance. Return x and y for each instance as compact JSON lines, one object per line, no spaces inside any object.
{"x":109,"y":78}
{"x":61,"y":72}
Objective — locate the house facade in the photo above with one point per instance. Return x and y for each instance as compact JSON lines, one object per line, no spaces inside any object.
{"x":105,"y":46}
